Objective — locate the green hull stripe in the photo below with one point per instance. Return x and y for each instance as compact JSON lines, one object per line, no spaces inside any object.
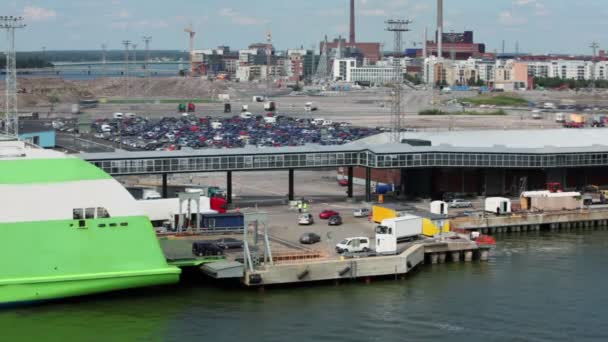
{"x":54,"y":259}
{"x":36,"y":171}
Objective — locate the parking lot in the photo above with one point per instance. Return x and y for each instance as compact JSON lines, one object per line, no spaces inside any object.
{"x":188,"y":130}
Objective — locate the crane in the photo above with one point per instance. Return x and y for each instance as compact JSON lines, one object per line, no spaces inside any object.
{"x":191,"y":34}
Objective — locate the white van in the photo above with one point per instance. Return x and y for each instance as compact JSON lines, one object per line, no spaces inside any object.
{"x":106,"y":128}
{"x":118,"y":116}
{"x":216,"y":125}
{"x":353,"y":245}
{"x":270,"y":119}
{"x":327,"y":123}
{"x":246,"y":115}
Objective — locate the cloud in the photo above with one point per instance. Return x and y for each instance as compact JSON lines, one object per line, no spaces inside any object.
{"x":240,"y":19}
{"x":507,"y":18}
{"x":33,"y":13}
{"x":373,"y":12}
{"x":138,"y":25}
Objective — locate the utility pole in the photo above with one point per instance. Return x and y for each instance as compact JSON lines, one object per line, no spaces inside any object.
{"x":147,"y":56}
{"x":396,"y":113}
{"x":268,"y":61}
{"x":134,"y":59}
{"x":126,"y":43}
{"x":103,"y":60}
{"x":190,"y":31}
{"x":398,"y":27}
{"x":594,"y":46}
{"x":11,"y":115}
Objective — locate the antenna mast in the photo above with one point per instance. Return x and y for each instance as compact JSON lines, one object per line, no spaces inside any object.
{"x":11,"y":115}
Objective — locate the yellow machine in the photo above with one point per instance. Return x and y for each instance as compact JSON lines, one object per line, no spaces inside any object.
{"x":431,"y":224}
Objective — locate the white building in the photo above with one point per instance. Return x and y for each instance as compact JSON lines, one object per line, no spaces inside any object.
{"x":346,"y":70}
{"x":342,"y":69}
{"x":569,"y":69}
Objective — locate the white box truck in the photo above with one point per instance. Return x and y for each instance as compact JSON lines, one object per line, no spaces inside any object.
{"x":405,"y":227}
{"x":391,"y":231}
{"x":498,"y":205}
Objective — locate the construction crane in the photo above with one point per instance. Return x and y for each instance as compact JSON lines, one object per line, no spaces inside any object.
{"x":191,"y":34}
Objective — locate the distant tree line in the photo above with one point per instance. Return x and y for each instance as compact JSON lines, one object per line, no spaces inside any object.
{"x":556,"y":82}
{"x":96,"y":55}
{"x":28,"y":62}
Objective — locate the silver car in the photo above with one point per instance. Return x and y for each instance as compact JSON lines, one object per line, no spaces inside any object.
{"x":459,"y":203}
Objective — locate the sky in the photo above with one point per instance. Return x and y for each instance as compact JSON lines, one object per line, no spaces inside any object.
{"x":540,"y":26}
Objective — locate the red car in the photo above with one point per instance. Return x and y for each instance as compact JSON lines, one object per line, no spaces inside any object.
{"x":326,"y":214}
{"x":343,"y":182}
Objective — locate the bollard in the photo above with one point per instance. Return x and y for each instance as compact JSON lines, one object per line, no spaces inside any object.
{"x":442,"y":257}
{"x":468,"y":256}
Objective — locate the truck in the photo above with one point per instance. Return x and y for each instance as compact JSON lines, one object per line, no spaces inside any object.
{"x":217,"y":200}
{"x":405,"y":228}
{"x":310,"y":107}
{"x":144,"y":193}
{"x":270,"y":106}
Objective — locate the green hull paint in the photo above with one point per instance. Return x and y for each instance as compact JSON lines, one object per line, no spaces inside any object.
{"x":41,"y":171}
{"x":56,"y":259}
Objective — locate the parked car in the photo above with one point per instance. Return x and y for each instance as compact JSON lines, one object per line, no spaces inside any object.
{"x":229,"y":243}
{"x":206,"y":248}
{"x":335,"y":220}
{"x":362,"y":212}
{"x":326,"y":214}
{"x":459,"y":203}
{"x":309,"y":238}
{"x":353,"y":245}
{"x":306,"y":219}
{"x":343,"y":182}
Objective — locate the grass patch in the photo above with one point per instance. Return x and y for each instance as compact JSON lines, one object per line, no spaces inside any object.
{"x":499,"y":100}
{"x":438,"y":112}
{"x":164,"y":101}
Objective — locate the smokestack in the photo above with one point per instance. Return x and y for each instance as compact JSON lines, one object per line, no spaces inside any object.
{"x":352,"y":22}
{"x":439,"y":28}
{"x":424,"y":50}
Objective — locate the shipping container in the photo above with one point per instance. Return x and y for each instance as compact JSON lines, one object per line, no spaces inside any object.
{"x":223,"y":222}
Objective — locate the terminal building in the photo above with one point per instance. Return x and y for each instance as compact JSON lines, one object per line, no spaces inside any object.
{"x":425,"y":165}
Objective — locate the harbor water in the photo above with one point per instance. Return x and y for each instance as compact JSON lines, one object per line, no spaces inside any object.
{"x":536,"y":287}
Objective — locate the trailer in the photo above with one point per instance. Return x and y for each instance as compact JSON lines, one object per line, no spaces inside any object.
{"x":227,"y":222}
{"x":498,"y":205}
{"x":406,"y":227}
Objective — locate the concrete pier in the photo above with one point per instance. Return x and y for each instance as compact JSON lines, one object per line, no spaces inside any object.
{"x":455,"y":256}
{"x":468,"y":256}
{"x":442,"y":258}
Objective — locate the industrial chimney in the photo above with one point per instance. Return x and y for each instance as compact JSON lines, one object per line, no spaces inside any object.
{"x":352,"y":22}
{"x":439,"y":28}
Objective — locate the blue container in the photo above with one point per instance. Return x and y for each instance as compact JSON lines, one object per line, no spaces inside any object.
{"x":220,"y":222}
{"x":383,"y":189}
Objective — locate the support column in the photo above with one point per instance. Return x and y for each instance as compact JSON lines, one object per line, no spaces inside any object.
{"x":368,"y":184}
{"x":349,"y":191}
{"x":164,"y":190}
{"x":291,"y":192}
{"x":229,"y":187}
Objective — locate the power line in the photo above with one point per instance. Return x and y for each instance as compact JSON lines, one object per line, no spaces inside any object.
{"x":126,"y":43}
{"x":398,"y":27}
{"x":11,"y":115}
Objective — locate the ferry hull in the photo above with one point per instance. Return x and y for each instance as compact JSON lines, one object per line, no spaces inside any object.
{"x":40,"y":290}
